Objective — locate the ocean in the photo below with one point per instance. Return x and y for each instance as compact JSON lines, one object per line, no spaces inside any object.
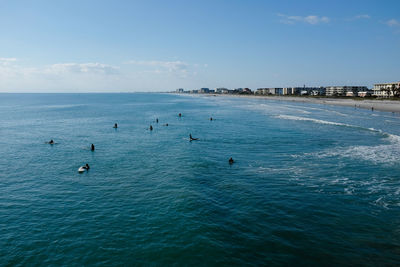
{"x":311,"y":184}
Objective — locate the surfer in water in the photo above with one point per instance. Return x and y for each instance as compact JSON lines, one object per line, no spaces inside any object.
{"x":92,"y":147}
{"x":191,"y":138}
{"x":166,"y":124}
{"x":86,"y":167}
{"x":115,"y":126}
{"x":211,"y":118}
{"x":157,"y":120}
{"x":51,"y":142}
{"x":231,"y":161}
{"x":180,"y":115}
{"x":151,"y":128}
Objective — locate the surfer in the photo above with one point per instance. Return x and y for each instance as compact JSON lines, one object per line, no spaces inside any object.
{"x":86,"y":167}
{"x":115,"y":126}
{"x":157,"y":120}
{"x":166,"y":124}
{"x":180,"y":115}
{"x":211,"y":118}
{"x":92,"y":147}
{"x":51,"y":142}
{"x":231,"y":161}
{"x":191,"y":138}
{"x":151,"y":128}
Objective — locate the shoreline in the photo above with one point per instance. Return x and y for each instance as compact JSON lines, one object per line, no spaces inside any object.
{"x":379,"y":105}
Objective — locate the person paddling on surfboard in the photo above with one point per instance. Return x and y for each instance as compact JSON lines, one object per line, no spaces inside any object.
{"x":115,"y":125}
{"x":51,"y":142}
{"x":92,"y":147}
{"x":86,"y":167}
{"x":231,"y":161}
{"x":191,"y":138}
{"x":151,"y":128}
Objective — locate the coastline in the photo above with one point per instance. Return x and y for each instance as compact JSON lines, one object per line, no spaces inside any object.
{"x":379,"y":105}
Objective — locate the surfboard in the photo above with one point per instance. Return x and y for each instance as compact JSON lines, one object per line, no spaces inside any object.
{"x":81,"y":169}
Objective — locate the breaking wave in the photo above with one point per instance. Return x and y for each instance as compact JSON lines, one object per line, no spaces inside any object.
{"x":388,"y":153}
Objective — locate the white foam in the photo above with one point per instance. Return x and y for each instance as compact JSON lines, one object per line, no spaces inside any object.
{"x":297,"y":118}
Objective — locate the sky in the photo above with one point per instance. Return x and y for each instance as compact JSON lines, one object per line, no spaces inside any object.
{"x":131,"y":46}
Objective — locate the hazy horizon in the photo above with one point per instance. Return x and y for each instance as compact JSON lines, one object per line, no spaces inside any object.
{"x":157,"y":46}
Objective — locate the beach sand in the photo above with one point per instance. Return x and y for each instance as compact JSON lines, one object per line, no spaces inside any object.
{"x":381,"y":105}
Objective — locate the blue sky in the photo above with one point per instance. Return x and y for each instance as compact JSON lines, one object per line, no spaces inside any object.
{"x":126,"y":46}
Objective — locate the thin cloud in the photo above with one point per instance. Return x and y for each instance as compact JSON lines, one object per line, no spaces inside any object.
{"x":85,"y":68}
{"x":364,"y":16}
{"x":358,"y":17}
{"x":393,"y":23}
{"x":7,"y":60}
{"x":170,"y":66}
{"x":311,"y":19}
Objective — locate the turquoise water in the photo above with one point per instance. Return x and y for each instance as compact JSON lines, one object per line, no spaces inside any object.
{"x":311,"y":184}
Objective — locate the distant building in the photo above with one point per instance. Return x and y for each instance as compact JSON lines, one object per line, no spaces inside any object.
{"x":314,"y":91}
{"x":288,"y":91}
{"x":246,"y":91}
{"x":221,"y":90}
{"x":204,"y":90}
{"x":269,"y":91}
{"x":180,"y":90}
{"x":365,"y":93}
{"x":386,"y":89}
{"x":344,"y":90}
{"x":262,"y":91}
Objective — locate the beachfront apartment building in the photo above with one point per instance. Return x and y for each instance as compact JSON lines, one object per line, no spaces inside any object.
{"x":204,"y":90}
{"x":314,"y":91}
{"x":269,"y":91}
{"x":222,"y":90}
{"x":344,"y":90}
{"x":262,"y":91}
{"x":288,"y":90}
{"x":291,"y":91}
{"x":386,"y":89}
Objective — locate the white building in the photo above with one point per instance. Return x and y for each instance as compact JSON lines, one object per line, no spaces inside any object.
{"x":222,"y":90}
{"x":262,"y":91}
{"x":304,"y":91}
{"x":386,"y":89}
{"x":344,"y":90}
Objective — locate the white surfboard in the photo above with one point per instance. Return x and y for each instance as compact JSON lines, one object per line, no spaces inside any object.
{"x":81,"y":169}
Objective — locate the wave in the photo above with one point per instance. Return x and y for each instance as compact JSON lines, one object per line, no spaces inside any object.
{"x":391,"y":137}
{"x":297,"y":118}
{"x":377,"y":154}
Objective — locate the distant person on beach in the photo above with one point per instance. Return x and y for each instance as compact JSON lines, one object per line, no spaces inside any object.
{"x":191,"y":138}
{"x":115,"y":125}
{"x":151,"y":128}
{"x":180,"y":115}
{"x":231,"y":161}
{"x":372,"y":108}
{"x":92,"y":147}
{"x":86,"y":167}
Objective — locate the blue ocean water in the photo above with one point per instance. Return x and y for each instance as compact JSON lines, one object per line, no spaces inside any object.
{"x":311,"y":184}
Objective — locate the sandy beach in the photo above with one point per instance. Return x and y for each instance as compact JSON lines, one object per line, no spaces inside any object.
{"x":381,"y":105}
